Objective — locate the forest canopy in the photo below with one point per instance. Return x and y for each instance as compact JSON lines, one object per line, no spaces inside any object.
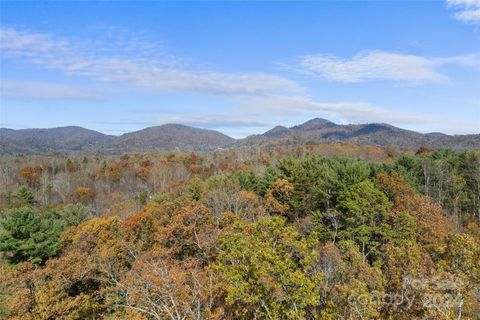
{"x":226,"y":235}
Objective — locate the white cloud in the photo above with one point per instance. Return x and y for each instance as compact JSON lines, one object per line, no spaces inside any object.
{"x":26,"y":89}
{"x":211,"y":121}
{"x":152,"y":74}
{"x":253,"y":100}
{"x":380,"y":65}
{"x":250,"y":114}
{"x":467,"y":10}
{"x":349,"y":112}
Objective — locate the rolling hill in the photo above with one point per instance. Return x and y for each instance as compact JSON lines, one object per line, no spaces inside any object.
{"x":181,"y":137}
{"x":70,"y":138}
{"x":170,"y":137}
{"x":318,"y":130}
{"x":159,"y":138}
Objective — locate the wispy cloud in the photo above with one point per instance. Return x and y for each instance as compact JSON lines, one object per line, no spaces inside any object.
{"x":256,"y":114}
{"x":252,"y":99}
{"x":349,"y":112}
{"x":211,"y":121}
{"x":380,"y":65}
{"x":466,"y":10}
{"x":42,"y":90}
{"x":155,"y":74}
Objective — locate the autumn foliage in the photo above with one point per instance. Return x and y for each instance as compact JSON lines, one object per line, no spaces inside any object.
{"x":195,"y":236}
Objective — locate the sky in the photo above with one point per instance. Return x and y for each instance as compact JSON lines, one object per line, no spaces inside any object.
{"x":240,"y":67}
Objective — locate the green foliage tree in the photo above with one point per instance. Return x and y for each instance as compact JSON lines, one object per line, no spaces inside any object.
{"x":30,"y":236}
{"x":268,"y":271}
{"x":74,"y":214}
{"x":195,"y":189}
{"x":461,"y":258}
{"x":363,"y":213}
{"x":451,"y":179}
{"x":317,"y":181}
{"x":470,"y":169}
{"x":248,"y":180}
{"x":23,"y":197}
{"x":141,"y":197}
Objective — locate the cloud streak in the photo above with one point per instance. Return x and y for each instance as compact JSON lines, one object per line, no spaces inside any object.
{"x":255,"y":114}
{"x":349,"y":112}
{"x":250,"y":97}
{"x":468,"y":11}
{"x":42,"y":90}
{"x":380,"y":65}
{"x":152,"y":74}
{"x":211,"y":121}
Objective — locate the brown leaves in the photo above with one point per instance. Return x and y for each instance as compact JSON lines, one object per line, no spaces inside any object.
{"x":83,"y":195}
{"x":191,"y":232}
{"x":276,"y":199}
{"x":31,"y":175}
{"x":431,"y":225}
{"x":17,"y":292}
{"x":161,"y":288}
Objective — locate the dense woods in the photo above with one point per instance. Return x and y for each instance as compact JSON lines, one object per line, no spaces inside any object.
{"x":334,"y":231}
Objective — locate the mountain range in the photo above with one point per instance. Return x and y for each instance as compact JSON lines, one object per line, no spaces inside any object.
{"x":186,"y":138}
{"x":318,"y":130}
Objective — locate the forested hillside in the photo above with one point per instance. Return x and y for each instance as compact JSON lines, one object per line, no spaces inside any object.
{"x":177,"y":137}
{"x":38,"y":140}
{"x":259,"y":235}
{"x":159,"y":138}
{"x":381,"y":134}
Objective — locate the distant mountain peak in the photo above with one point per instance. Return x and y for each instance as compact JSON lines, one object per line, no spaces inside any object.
{"x":375,"y":127}
{"x":314,"y":124}
{"x":59,"y":138}
{"x":436,"y":134}
{"x":277,"y":131}
{"x":174,"y":136}
{"x":73,"y":138}
{"x":379,"y":134}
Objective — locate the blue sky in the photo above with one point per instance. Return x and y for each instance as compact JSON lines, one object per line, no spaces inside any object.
{"x":240,"y":67}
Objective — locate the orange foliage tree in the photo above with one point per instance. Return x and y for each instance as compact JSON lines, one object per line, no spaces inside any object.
{"x":32,"y":176}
